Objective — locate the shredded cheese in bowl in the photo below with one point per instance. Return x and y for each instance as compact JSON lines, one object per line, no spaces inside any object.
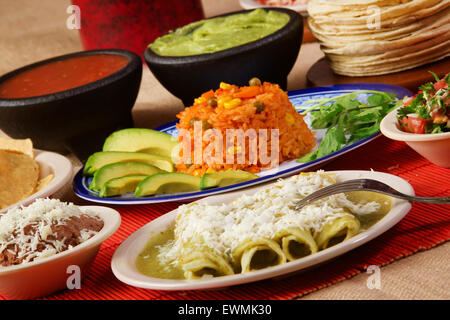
{"x":43,"y":229}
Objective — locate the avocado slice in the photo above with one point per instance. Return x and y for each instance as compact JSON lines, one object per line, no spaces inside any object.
{"x":141,"y":140}
{"x":120,"y":169}
{"x":225,"y":178}
{"x":121,"y":185}
{"x":167,"y":182}
{"x":102,"y":158}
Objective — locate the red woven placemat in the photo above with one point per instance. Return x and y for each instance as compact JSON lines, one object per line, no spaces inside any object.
{"x":423,"y":227}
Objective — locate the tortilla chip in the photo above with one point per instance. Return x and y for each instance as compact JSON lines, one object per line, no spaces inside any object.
{"x":19,"y":175}
{"x":44,"y":182}
{"x":24,"y":146}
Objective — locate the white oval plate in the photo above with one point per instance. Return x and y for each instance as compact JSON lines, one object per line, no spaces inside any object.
{"x":123,"y":261}
{"x":49,"y":163}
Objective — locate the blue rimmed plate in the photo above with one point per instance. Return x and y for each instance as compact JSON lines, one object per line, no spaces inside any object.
{"x":298,"y":98}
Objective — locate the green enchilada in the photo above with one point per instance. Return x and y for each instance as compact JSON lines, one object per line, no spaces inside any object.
{"x":257,"y":254}
{"x":296,"y":243}
{"x":259,"y":231}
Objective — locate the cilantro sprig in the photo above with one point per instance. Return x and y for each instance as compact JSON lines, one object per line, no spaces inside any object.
{"x":347,"y":119}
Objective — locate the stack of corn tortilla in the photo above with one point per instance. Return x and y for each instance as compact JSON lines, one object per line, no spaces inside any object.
{"x":375,"y":37}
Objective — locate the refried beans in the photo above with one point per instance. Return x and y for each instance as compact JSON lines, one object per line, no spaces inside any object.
{"x":44,"y":228}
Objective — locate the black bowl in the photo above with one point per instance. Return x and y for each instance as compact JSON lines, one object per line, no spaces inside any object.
{"x":270,"y":59}
{"x":76,"y":120}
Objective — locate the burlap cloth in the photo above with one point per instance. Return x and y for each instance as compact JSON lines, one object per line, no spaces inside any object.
{"x":33,"y":30}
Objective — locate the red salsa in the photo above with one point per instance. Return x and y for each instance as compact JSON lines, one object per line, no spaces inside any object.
{"x":61,"y":75}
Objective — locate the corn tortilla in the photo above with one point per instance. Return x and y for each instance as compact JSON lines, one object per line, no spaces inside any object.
{"x":410,"y":33}
{"x":24,"y":146}
{"x":19,"y":175}
{"x":44,"y":182}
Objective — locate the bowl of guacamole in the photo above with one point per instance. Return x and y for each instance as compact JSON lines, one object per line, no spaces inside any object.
{"x":231,"y":48}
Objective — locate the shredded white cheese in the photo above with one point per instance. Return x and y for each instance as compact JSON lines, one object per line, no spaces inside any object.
{"x":261,"y":215}
{"x":40,"y":215}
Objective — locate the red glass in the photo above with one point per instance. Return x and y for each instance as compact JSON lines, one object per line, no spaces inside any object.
{"x":132,"y":24}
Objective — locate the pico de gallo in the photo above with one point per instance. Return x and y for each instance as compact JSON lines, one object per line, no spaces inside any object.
{"x":429,"y":110}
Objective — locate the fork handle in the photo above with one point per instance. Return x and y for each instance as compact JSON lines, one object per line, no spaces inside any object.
{"x":440,"y":200}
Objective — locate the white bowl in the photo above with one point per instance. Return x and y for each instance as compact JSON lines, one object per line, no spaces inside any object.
{"x":43,"y":277}
{"x":434,"y":147}
{"x":123,"y":263}
{"x":49,"y":163}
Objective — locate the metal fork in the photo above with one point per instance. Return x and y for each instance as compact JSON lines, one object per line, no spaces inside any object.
{"x":365,"y":185}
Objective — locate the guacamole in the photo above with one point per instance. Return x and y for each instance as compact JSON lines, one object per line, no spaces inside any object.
{"x":216,"y":34}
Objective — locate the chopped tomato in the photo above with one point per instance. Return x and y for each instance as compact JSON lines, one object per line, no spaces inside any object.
{"x":439,"y":117}
{"x":407,"y":100}
{"x":440,"y":85}
{"x":433,"y":105}
{"x":413,"y":124}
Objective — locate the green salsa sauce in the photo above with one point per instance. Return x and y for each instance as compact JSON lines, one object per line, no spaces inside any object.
{"x":148,"y":262}
{"x":216,"y":34}
{"x":363,"y":197}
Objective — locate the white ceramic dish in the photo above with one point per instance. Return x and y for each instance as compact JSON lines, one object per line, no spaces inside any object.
{"x":435,"y":147}
{"x":123,"y":261}
{"x":49,"y":163}
{"x":251,"y":4}
{"x":43,"y":277}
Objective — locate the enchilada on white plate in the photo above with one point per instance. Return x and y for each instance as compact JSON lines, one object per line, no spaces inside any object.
{"x":256,"y":234}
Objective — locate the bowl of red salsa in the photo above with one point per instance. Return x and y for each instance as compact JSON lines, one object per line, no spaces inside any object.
{"x":423,"y":121}
{"x":71,"y":103}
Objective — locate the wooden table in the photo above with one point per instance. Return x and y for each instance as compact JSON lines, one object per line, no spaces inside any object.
{"x":35,"y":30}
